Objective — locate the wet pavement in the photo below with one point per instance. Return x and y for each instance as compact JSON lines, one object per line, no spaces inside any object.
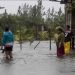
{"x":38,"y":61}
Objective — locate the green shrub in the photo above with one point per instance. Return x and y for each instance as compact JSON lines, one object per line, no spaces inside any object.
{"x":43,"y":35}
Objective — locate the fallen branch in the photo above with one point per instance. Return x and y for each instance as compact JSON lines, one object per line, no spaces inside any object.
{"x":37,"y":44}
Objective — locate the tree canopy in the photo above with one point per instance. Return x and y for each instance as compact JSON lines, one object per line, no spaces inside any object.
{"x":29,"y":19}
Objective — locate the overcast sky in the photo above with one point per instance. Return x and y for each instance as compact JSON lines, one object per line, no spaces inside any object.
{"x":12,"y":6}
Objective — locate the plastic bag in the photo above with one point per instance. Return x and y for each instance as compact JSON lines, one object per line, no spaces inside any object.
{"x":67,"y":47}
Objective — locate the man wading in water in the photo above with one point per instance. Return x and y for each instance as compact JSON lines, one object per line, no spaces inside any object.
{"x":7,"y":42}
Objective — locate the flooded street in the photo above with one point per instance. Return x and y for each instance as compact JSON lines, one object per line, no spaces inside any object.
{"x":38,"y":61}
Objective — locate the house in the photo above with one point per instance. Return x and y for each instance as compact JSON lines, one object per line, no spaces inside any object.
{"x":70,"y":14}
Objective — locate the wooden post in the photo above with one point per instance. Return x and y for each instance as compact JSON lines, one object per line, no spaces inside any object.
{"x":49,"y":31}
{"x":20,"y":39}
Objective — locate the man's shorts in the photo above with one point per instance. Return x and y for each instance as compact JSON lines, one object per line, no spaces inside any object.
{"x":8,"y":48}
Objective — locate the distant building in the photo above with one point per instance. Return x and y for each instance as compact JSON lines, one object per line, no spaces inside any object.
{"x":70,"y":14}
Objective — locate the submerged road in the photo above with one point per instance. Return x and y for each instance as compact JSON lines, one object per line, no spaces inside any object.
{"x":39,"y":61}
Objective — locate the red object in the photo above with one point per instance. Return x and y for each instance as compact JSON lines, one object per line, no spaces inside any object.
{"x":60,"y":51}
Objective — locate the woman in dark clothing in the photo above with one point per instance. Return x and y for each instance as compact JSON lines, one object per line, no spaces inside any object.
{"x":69,"y":37}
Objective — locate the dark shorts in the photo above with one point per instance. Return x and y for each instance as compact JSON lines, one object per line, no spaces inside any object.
{"x":8,"y":48}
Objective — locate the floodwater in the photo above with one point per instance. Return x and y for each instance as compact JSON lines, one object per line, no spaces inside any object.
{"x":38,"y":61}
